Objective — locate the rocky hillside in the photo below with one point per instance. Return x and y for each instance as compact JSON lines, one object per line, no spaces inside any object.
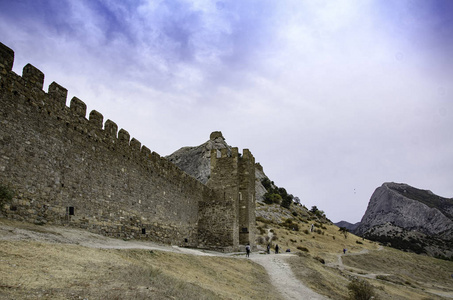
{"x":196,"y":160}
{"x":410,"y":219}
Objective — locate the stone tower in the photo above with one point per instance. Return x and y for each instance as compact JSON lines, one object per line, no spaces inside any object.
{"x":232,"y":181}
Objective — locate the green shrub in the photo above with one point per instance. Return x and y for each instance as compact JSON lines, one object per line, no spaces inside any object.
{"x":271,"y":198}
{"x":6,"y":195}
{"x":360,"y":290}
{"x":267,"y":183}
{"x":286,"y":201}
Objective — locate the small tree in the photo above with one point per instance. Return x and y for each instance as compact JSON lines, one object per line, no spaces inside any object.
{"x":314,"y":209}
{"x":345,"y":232}
{"x":287,"y":200}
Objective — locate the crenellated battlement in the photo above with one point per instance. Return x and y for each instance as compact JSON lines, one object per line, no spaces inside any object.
{"x":73,"y":169}
{"x":6,"y":59}
{"x":54,"y":102}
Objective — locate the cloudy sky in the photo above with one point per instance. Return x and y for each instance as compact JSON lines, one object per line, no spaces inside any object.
{"x":333,"y":98}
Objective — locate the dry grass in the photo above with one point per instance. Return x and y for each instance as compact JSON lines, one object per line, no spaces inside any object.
{"x":30,"y":270}
{"x":56,"y":270}
{"x":325,"y":245}
{"x":228,"y":278}
{"x":327,"y":281}
{"x":406,"y":269}
{"x":410,"y":276}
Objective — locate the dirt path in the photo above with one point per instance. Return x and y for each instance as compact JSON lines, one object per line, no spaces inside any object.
{"x":283,"y":278}
{"x":65,"y":235}
{"x":355,"y":271}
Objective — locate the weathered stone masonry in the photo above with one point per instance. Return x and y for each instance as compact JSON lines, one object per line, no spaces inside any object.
{"x":69,"y":170}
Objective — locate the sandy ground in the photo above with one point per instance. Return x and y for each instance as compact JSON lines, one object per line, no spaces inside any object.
{"x":275,"y":264}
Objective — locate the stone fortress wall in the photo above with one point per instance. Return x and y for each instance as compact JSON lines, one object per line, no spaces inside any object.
{"x":71,"y":170}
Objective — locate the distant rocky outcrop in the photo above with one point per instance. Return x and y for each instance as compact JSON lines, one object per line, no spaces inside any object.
{"x":349,"y":226}
{"x":408,"y":218}
{"x":195,"y":161}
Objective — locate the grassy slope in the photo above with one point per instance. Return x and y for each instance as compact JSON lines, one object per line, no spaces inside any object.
{"x":408,"y":276}
{"x":29,"y":269}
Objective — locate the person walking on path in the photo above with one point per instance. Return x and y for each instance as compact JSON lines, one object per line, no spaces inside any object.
{"x":268,"y":248}
{"x":276,"y":249}
{"x":247,"y":250}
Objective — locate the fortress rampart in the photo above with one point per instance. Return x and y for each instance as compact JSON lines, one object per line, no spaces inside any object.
{"x":72,"y":170}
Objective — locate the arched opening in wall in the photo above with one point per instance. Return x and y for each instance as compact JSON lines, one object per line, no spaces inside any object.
{"x":143,"y":230}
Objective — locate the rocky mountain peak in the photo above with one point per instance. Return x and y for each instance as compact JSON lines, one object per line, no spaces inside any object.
{"x":404,"y":210}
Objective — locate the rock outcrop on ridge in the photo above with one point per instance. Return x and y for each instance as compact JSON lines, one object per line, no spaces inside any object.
{"x":408,"y":218}
{"x":196,"y":161}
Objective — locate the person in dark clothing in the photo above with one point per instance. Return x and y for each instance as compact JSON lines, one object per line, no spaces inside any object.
{"x":268,"y":249}
{"x":247,"y":250}
{"x":276,"y":249}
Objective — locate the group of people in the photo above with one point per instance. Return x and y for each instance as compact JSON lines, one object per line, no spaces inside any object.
{"x":248,"y":249}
